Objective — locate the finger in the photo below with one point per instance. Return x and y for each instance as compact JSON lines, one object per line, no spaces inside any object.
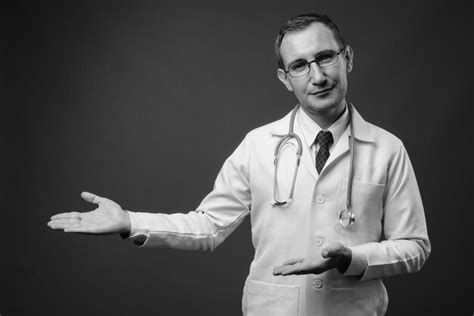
{"x":63,"y":223}
{"x":72,"y":227}
{"x":83,"y":228}
{"x":278,"y":270}
{"x":293,"y":261}
{"x":308,"y":268}
{"x":287,"y":270}
{"x":77,"y":229}
{"x":66,"y":215}
{"x":91,"y":198}
{"x":294,"y":269}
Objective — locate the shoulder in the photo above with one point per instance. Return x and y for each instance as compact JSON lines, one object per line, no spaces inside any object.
{"x":375,"y":140}
{"x":262,"y":131}
{"x":373,"y":134}
{"x":387,"y":146}
{"x":384,"y":137}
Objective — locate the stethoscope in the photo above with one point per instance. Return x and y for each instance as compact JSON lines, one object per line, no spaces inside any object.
{"x":346,"y":216}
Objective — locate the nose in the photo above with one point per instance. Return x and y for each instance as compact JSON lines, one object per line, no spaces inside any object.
{"x":316,"y":74}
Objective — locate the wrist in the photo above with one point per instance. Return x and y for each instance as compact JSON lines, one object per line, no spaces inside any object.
{"x":127,"y":225}
{"x":345,"y":261}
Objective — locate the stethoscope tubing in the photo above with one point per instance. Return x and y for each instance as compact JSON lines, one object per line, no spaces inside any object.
{"x":351,"y":159}
{"x":299,"y":152}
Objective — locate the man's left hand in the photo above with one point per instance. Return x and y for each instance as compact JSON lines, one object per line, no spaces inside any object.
{"x":334,"y":256}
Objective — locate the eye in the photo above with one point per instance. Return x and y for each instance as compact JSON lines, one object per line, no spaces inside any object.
{"x":326,"y":58}
{"x":298,"y":66}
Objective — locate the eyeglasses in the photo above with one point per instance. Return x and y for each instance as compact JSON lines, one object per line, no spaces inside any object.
{"x":324,"y":59}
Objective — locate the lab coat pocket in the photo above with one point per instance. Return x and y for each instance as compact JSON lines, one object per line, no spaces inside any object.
{"x":368,"y":299}
{"x":262,"y":299}
{"x":367,"y":206}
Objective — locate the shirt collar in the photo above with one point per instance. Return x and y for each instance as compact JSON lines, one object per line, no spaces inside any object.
{"x":361,"y":128}
{"x":311,"y":129}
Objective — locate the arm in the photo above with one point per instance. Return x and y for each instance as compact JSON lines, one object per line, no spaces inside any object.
{"x":205,"y":228}
{"x":218,"y":215}
{"x":406,"y":245}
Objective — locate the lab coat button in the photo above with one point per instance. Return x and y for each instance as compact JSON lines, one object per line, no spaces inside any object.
{"x":320,"y":199}
{"x":317,"y":284}
{"x":318,"y":241}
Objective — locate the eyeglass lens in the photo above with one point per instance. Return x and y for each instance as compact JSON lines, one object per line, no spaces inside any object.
{"x":323,"y":60}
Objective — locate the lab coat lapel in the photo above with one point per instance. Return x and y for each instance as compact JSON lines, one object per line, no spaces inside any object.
{"x":341,"y":147}
{"x":361,"y":133}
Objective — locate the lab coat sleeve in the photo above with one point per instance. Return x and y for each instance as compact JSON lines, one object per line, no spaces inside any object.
{"x":220,"y":212}
{"x":405,"y":245}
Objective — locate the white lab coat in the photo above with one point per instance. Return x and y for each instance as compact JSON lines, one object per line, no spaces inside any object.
{"x":388,"y":237}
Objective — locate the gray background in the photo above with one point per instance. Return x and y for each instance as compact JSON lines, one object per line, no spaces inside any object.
{"x":142,"y":101}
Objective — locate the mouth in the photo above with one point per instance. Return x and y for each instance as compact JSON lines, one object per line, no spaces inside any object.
{"x":323,"y":91}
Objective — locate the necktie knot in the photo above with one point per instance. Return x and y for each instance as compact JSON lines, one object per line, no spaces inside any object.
{"x":324,"y":139}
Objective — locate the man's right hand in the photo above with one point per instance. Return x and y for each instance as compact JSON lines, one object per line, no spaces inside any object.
{"x":107,"y":218}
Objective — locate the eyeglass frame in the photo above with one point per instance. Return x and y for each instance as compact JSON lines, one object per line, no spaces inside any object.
{"x":308,"y":65}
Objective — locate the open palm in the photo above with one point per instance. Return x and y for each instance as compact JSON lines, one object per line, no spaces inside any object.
{"x":107,"y":218}
{"x":336,"y":255}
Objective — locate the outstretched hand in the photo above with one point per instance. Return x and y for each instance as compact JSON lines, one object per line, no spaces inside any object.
{"x":107,"y":218}
{"x":334,"y":256}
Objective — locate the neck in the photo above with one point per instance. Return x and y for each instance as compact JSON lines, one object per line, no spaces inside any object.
{"x":324,"y":119}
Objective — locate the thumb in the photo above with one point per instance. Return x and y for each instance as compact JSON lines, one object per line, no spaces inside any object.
{"x":332,"y":250}
{"x":91,"y":198}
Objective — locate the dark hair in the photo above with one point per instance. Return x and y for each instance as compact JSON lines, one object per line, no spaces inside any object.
{"x":301,"y":22}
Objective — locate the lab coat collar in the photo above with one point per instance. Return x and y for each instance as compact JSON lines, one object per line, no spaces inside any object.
{"x":361,"y":127}
{"x":361,"y":132}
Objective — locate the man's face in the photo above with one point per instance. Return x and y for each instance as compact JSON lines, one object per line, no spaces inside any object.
{"x":322,"y":90}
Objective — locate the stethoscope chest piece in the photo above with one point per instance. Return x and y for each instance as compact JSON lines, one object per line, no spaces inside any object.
{"x":346,"y":218}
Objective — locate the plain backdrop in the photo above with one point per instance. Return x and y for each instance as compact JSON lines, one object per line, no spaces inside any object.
{"x":142,"y":101}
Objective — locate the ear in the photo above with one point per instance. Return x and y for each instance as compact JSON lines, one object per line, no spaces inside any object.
{"x":349,"y":57}
{"x":284,"y":79}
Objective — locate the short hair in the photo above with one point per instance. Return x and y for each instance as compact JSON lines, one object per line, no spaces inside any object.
{"x":300,"y":22}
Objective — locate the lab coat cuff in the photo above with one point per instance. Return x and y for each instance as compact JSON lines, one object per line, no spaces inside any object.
{"x":358,"y":263}
{"x":136,"y":235}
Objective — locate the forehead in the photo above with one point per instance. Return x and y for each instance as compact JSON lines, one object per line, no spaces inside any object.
{"x":306,"y":43}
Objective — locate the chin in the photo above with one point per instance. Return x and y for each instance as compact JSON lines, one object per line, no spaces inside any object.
{"x":321,"y":107}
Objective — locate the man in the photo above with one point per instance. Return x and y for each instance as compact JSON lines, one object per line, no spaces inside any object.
{"x":324,"y":233}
